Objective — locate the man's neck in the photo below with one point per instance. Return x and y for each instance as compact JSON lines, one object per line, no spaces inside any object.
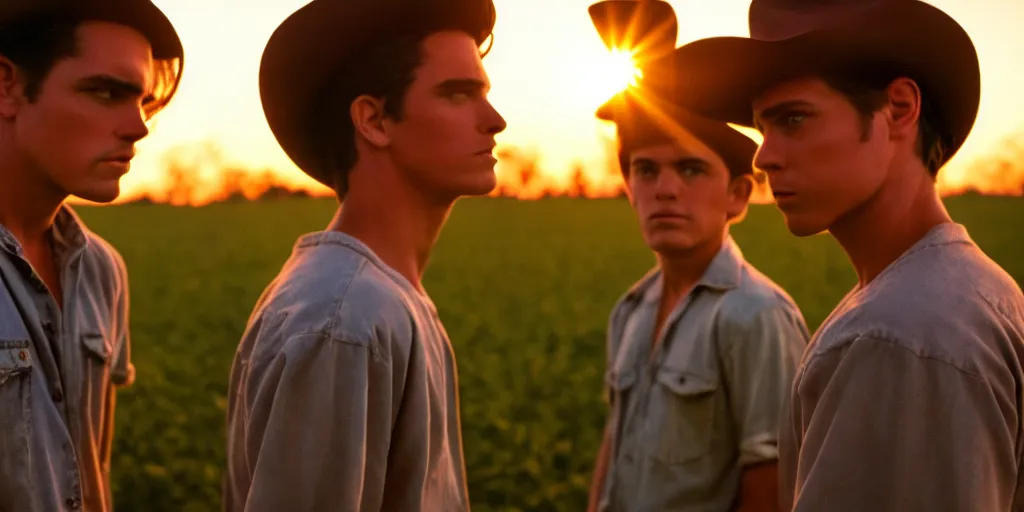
{"x":900,"y":214}
{"x":395,"y":221}
{"x":681,"y":271}
{"x":28,"y":204}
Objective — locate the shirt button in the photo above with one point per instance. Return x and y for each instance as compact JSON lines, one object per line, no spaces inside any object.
{"x":23,"y":355}
{"x":72,"y":503}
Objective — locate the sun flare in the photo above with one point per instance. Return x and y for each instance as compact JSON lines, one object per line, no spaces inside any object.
{"x":621,"y":71}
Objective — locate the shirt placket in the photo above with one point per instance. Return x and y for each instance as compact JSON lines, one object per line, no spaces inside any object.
{"x":60,"y":327}
{"x":653,"y":362}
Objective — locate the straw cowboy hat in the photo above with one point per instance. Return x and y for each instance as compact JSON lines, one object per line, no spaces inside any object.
{"x":722,"y":76}
{"x":310,"y":47}
{"x":142,"y":15}
{"x":649,"y":29}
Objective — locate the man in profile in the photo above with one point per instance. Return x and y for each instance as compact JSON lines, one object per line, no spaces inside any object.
{"x":909,"y":396}
{"x":78,"y":83}
{"x":344,"y":389}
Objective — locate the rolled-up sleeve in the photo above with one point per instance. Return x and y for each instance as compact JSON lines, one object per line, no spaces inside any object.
{"x":762,"y":352}
{"x":886,"y":429}
{"x":319,"y":431}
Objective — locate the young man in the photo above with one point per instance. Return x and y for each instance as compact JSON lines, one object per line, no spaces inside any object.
{"x":344,"y":390}
{"x":909,"y":395}
{"x":77,"y":85}
{"x":702,"y":350}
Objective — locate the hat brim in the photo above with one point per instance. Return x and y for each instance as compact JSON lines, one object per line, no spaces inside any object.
{"x":309,"y":48}
{"x":722,"y":77}
{"x":638,"y":114}
{"x":142,"y":15}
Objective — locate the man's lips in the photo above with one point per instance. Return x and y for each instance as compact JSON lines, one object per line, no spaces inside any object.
{"x":783,"y":196}
{"x":123,"y":158}
{"x":667,"y":216}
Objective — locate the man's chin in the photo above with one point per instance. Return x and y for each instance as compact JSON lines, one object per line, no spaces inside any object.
{"x":480,"y":185}
{"x":99,"y":194}
{"x":801,"y":228}
{"x":671,"y":245}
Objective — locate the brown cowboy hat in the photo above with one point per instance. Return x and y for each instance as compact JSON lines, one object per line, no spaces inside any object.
{"x":721,"y":77}
{"x":649,"y":29}
{"x":312,"y":45}
{"x":641,"y":116}
{"x":142,"y":15}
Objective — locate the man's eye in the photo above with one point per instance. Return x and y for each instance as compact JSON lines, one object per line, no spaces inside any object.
{"x":644,"y":170}
{"x":103,"y":93}
{"x":794,"y":119}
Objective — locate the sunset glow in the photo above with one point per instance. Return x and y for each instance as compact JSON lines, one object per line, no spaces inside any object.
{"x":550,"y":71}
{"x":620,"y":73}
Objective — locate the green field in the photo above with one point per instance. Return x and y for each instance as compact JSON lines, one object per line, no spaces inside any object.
{"x":524,"y":289}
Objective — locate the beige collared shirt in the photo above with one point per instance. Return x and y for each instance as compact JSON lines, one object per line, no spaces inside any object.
{"x":909,"y":396}
{"x":688,"y":418}
{"x":58,"y":371}
{"x":344,"y":392}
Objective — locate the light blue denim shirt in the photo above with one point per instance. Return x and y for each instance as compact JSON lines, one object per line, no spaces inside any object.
{"x":344,"y":392}
{"x":688,"y":418}
{"x":59,"y":367}
{"x":910,"y":394}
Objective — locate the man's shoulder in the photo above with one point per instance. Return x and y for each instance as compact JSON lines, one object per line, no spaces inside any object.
{"x":336,"y":294}
{"x":103,"y":264}
{"x":757,"y":295}
{"x":948,"y":303}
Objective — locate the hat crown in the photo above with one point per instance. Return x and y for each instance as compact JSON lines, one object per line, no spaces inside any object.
{"x":775,"y":20}
{"x":648,"y":28}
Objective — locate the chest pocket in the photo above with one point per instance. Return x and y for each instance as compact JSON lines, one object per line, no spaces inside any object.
{"x":681,"y":415}
{"x":15,"y":414}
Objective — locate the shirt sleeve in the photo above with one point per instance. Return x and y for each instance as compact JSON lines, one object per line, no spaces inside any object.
{"x":762,"y":352}
{"x":122,"y":372}
{"x":891,"y":431}
{"x":320,"y":428}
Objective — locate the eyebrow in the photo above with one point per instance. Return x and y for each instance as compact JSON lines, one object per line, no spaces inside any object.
{"x":460,"y":85}
{"x":777,"y":110}
{"x":675,"y":163}
{"x":126,"y":87}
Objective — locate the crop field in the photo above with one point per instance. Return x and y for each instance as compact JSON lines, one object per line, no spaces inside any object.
{"x":524,"y":289}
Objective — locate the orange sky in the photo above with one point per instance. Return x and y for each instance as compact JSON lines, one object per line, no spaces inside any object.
{"x":549,"y":71}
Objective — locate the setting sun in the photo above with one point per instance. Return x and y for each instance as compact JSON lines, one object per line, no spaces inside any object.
{"x":620,"y":72}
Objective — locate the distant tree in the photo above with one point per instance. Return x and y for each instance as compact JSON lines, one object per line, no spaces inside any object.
{"x":578,"y":185}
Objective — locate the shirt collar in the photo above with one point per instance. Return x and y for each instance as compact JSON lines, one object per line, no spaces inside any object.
{"x":68,"y":234}
{"x":723,"y":273}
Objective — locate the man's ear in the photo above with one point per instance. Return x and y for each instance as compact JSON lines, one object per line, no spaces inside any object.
{"x":12,"y":89}
{"x":627,"y":187}
{"x":368,"y":117}
{"x":904,"y":107}
{"x":740,"y":190}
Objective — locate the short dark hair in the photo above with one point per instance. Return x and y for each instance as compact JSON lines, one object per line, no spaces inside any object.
{"x":37,"y":41}
{"x":866,"y":92}
{"x":384,"y":69}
